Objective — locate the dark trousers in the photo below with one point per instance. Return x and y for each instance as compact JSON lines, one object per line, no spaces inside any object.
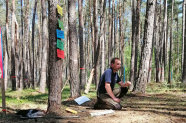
{"x":104,"y":101}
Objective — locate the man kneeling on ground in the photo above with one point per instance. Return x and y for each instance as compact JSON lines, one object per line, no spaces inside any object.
{"x":107,"y":96}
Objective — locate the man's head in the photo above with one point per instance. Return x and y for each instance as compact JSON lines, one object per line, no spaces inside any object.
{"x":115,"y":64}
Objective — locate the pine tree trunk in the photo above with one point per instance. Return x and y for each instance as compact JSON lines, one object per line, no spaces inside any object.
{"x":121,"y":37}
{"x":21,"y":50}
{"x":183,"y":33}
{"x":44,"y":49}
{"x":86,"y":24}
{"x":17,"y":64}
{"x":91,"y":27}
{"x":150,"y":64}
{"x":164,"y":53}
{"x":122,"y":31}
{"x":33,"y":31}
{"x":171,"y":45}
{"x":55,"y":64}
{"x":73,"y":52}
{"x":6,"y":50}
{"x":40,"y":44}
{"x":135,"y":40}
{"x":37,"y":46}
{"x":146,"y":49}
{"x":25,"y":45}
{"x":113,"y":29}
{"x":177,"y":50}
{"x":110,"y":35}
{"x":157,"y":39}
{"x":89,"y":59}
{"x":81,"y":46}
{"x":29,"y":60}
{"x":96,"y":43}
{"x":138,"y":9}
{"x":184,"y":62}
{"x":13,"y":76}
{"x":103,"y":5}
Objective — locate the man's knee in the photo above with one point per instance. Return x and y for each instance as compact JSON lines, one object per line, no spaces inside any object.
{"x":107,"y":105}
{"x":112,"y":106}
{"x":100,"y":105}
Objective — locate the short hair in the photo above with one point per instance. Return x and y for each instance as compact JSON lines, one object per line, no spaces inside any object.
{"x":113,"y":60}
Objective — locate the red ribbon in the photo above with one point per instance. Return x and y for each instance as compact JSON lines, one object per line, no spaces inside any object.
{"x":82,"y":68}
{"x":4,"y":110}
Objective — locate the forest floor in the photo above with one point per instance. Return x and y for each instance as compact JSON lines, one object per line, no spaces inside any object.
{"x":168,"y":106}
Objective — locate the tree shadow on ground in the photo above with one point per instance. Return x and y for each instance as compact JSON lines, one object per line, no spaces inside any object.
{"x":48,"y":118}
{"x":88,"y":104}
{"x":165,"y":104}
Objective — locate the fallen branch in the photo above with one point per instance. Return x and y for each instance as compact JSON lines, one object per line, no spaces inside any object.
{"x":89,"y":81}
{"x":65,"y":84}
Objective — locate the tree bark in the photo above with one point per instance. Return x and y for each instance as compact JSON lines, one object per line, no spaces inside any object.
{"x":91,"y":28}
{"x":96,"y":43}
{"x":103,"y":5}
{"x":40,"y":44}
{"x":73,"y":52}
{"x":6,"y":50}
{"x":184,"y":62}
{"x":13,"y":76}
{"x":183,"y":33}
{"x":132,"y":72}
{"x":171,"y":45}
{"x":135,"y":39}
{"x":81,"y":46}
{"x":21,"y":50}
{"x":110,"y":35}
{"x":164,"y":53}
{"x":121,"y":37}
{"x":158,"y":41}
{"x":3,"y":95}
{"x":44,"y":49}
{"x":113,"y":29}
{"x":2,"y":85}
{"x":138,"y":9}
{"x":33,"y":32}
{"x":16,"y":40}
{"x":146,"y":48}
{"x":177,"y":50}
{"x":25,"y":45}
{"x":55,"y":64}
{"x":122,"y":31}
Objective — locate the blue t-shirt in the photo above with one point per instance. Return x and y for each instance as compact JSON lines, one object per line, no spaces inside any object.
{"x":110,"y":77}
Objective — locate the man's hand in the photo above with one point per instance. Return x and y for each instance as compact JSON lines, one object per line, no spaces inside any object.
{"x":110,"y":93}
{"x":117,"y":100}
{"x":128,"y":83}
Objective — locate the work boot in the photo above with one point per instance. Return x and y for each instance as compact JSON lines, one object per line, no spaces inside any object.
{"x":117,"y":107}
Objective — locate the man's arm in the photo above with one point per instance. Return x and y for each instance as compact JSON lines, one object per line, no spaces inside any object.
{"x":126,"y":84}
{"x":109,"y":91}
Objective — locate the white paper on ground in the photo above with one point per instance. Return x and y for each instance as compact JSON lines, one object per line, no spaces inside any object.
{"x":103,"y":112}
{"x":82,"y":99}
